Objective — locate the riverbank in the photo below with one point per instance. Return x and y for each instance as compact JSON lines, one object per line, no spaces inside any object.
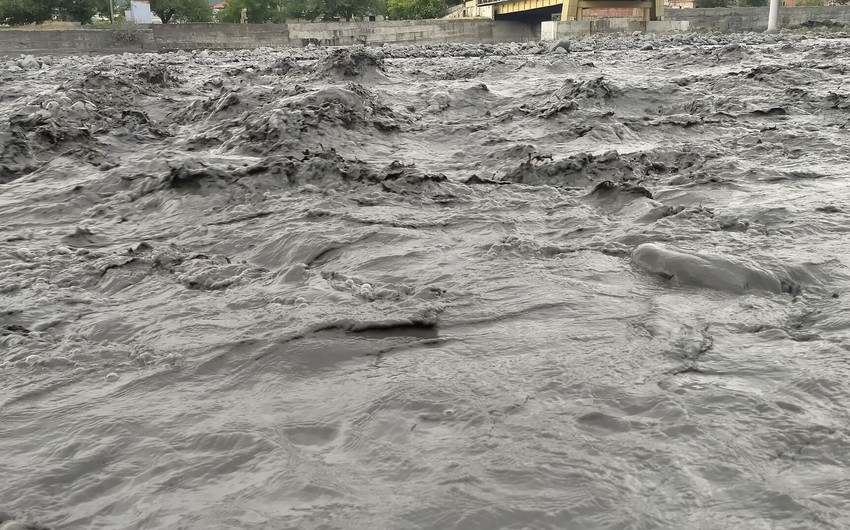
{"x":170,"y":37}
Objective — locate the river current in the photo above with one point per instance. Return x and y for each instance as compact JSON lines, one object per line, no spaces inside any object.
{"x":394,"y":287}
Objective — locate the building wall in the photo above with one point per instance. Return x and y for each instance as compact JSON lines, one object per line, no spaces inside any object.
{"x":140,"y":12}
{"x":681,"y":4}
{"x":612,"y":12}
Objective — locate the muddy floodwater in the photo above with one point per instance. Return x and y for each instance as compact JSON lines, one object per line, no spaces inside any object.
{"x":472,"y":287}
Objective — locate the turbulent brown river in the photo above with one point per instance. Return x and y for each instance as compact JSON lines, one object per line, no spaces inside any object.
{"x":456,"y":286}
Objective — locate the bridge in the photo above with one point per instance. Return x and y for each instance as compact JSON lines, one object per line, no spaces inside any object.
{"x":552,"y":9}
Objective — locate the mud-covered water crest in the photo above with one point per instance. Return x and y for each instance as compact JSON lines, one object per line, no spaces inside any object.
{"x":428,"y":287}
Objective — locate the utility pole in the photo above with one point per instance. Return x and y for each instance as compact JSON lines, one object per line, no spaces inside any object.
{"x":772,"y":15}
{"x":111,"y":12}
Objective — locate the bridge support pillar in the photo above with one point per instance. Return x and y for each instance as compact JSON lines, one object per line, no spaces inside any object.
{"x":656,"y":12}
{"x":570,"y":10}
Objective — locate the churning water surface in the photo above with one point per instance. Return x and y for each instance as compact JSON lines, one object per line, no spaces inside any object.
{"x":394,"y":288}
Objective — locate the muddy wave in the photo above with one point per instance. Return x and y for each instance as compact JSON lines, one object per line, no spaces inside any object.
{"x":456,"y":286}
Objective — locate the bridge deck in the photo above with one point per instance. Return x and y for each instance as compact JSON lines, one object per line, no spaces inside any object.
{"x":572,"y":9}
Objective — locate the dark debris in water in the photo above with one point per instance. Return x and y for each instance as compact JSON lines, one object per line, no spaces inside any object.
{"x":353,"y":62}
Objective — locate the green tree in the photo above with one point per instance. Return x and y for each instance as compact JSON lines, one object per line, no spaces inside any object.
{"x":18,"y":12}
{"x":752,"y":3}
{"x":182,"y":10}
{"x":118,"y":9}
{"x":80,"y":11}
{"x":415,"y":9}
{"x":279,"y":11}
{"x":710,"y":3}
{"x":330,"y":9}
{"x":102,"y":7}
{"x":37,"y":11}
{"x":259,"y":11}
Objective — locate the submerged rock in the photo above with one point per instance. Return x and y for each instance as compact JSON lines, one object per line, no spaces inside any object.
{"x":562,"y":45}
{"x":710,"y":271}
{"x":29,"y":63}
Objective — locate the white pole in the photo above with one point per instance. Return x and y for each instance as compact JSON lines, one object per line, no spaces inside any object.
{"x":773,"y":15}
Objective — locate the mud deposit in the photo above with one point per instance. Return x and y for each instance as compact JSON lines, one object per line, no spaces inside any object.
{"x":395,"y":288}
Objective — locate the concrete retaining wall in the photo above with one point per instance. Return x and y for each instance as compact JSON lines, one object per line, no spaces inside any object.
{"x":742,"y":19}
{"x":17,"y":41}
{"x":409,"y":32}
{"x":556,"y":30}
{"x":165,"y":37}
{"x":729,"y":20}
